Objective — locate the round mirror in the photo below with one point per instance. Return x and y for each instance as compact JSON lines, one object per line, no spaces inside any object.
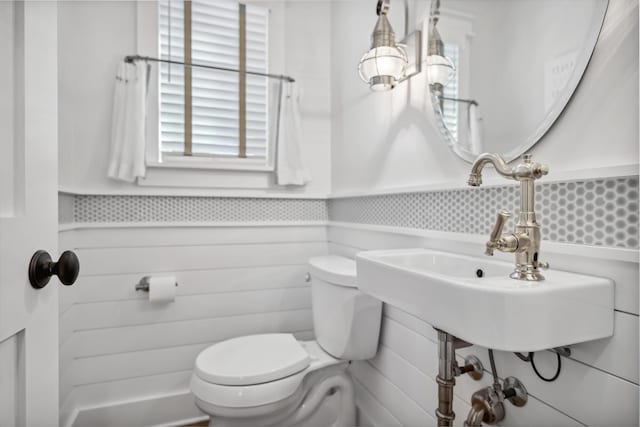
{"x":501,"y":72}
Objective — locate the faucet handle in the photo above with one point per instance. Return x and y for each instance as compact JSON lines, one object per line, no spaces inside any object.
{"x":496,"y":233}
{"x":538,"y":170}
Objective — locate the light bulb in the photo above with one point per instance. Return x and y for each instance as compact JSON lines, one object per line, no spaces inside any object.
{"x":440,"y":69}
{"x":382,"y":67}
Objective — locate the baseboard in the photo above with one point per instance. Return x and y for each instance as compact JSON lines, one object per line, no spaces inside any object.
{"x":162,"y":411}
{"x":172,"y":410}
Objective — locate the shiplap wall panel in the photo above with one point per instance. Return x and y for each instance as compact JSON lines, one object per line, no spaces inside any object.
{"x":600,"y":353}
{"x":413,"y":323}
{"x":589,"y":395}
{"x":139,"y":312}
{"x":373,"y":414}
{"x":193,"y":282}
{"x":403,"y":408}
{"x":600,"y":374}
{"x":411,"y":345}
{"x":90,"y":370}
{"x":84,"y":345}
{"x":179,"y":258}
{"x":412,"y":370}
{"x":615,"y":355}
{"x":419,"y":387}
{"x":370,"y":412}
{"x":413,"y":350}
{"x":535,"y":413}
{"x":67,"y":295}
{"x":413,"y":339}
{"x":404,"y":359}
{"x":110,"y":367}
{"x":117,"y":347}
{"x":97,"y":342}
{"x":167,"y":235}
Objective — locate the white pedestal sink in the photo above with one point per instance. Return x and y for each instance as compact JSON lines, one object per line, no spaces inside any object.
{"x":475,"y":300}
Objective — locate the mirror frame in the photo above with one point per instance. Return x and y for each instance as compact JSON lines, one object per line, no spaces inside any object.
{"x":552,"y":116}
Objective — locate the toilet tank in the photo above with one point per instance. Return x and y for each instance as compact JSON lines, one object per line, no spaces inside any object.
{"x":346,"y":321}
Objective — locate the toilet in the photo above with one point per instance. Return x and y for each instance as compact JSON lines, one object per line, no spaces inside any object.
{"x":276,"y":380}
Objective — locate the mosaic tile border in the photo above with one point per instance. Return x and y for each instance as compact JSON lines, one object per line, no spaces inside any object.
{"x":133,"y":209}
{"x":600,"y":212}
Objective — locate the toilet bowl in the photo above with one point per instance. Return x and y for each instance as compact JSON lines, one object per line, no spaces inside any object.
{"x":246,"y":398}
{"x":276,"y":380}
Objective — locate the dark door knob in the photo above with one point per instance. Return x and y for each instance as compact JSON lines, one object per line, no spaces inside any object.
{"x":42,"y":267}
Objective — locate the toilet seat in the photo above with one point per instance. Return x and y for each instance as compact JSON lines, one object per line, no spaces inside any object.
{"x":285,"y":373}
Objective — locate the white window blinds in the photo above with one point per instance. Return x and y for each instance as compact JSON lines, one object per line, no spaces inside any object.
{"x":215,"y":94}
{"x":451,"y":90}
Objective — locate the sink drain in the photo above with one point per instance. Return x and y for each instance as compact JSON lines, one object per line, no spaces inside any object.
{"x":479,"y":273}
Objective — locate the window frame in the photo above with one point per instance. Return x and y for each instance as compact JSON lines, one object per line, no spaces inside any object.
{"x":148,"y":42}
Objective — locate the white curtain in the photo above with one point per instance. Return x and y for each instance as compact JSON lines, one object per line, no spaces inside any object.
{"x":290,"y":167}
{"x":475,"y":129}
{"x":126,"y":160}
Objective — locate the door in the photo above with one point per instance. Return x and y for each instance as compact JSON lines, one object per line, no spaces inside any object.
{"x":28,"y":212}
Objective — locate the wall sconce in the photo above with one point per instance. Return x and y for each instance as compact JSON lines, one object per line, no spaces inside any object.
{"x":387,"y":63}
{"x":440,"y":69}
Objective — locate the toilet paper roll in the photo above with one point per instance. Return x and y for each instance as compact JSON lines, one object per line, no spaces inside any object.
{"x":162,"y":288}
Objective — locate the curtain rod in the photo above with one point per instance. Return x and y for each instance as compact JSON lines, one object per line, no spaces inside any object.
{"x":132,"y":58}
{"x":468,"y":101}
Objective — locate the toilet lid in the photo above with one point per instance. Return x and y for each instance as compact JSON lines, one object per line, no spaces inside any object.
{"x":334,"y":269}
{"x":254,"y":359}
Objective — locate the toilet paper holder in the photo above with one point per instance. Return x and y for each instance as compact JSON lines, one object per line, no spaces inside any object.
{"x":143,"y":284}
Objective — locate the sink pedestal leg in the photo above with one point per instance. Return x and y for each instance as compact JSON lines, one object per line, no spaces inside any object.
{"x":446,"y":378}
{"x":448,"y":369}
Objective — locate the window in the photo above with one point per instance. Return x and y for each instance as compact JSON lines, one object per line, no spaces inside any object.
{"x":206,"y":112}
{"x":451,"y":90}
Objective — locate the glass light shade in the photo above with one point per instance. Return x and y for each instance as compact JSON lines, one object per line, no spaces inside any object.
{"x":382,"y":67}
{"x":440,"y":69}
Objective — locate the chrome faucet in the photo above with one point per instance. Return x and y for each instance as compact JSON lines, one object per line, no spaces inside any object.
{"x":525,"y":240}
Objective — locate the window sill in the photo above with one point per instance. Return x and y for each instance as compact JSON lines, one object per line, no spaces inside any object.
{"x":204,"y":163}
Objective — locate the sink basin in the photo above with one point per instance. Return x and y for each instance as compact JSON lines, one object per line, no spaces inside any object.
{"x":476,"y":300}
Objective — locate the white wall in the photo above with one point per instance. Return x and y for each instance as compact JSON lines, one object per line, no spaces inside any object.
{"x":124,"y":361}
{"x":95,"y":35}
{"x":383,"y":141}
{"x":127,"y":361}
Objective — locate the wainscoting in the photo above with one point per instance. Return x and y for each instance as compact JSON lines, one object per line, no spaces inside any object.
{"x":124,"y":360}
{"x":598,"y":384}
{"x":240,"y":268}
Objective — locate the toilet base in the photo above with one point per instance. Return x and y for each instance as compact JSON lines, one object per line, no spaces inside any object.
{"x":326,"y":399}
